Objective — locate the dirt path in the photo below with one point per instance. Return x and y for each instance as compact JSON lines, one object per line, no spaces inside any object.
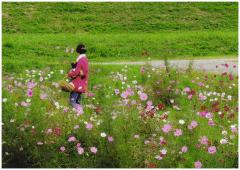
{"x":212,"y":65}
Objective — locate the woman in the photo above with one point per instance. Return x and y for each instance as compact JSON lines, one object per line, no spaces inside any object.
{"x":79,"y":76}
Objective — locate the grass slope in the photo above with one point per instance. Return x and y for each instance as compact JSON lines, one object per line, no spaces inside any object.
{"x":117,"y":17}
{"x":117,"y":31}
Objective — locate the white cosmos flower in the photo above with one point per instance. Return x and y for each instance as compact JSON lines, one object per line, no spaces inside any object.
{"x":224,"y":132}
{"x":229,"y":97}
{"x":103,"y":134}
{"x":28,"y":100}
{"x":181,"y":121}
{"x":163,"y":151}
{"x":4,"y":100}
{"x":223,"y":141}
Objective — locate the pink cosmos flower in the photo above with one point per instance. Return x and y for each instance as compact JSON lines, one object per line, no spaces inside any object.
{"x":90,"y":94}
{"x":79,"y":109}
{"x":89,"y":126}
{"x":72,"y":139}
{"x":93,"y":150}
{"x":178,"y":132}
{"x":80,"y":150}
{"x":149,"y":103}
{"x":212,"y":150}
{"x":24,"y":104}
{"x":201,"y":84}
{"x":29,"y":93}
{"x":124,"y":95}
{"x":31,"y":85}
{"x":203,"y":140}
{"x":198,"y":164}
{"x":211,"y":123}
{"x":130,"y":92}
{"x":62,"y":149}
{"x":190,"y":96}
{"x":186,"y":89}
{"x":233,"y":129}
{"x":143,"y":96}
{"x":142,"y":70}
{"x":203,"y":114}
{"x":65,"y":110}
{"x":194,"y":124}
{"x":110,"y":139}
{"x":116,"y":91}
{"x":76,"y":127}
{"x":202,"y":97}
{"x":43,"y":96}
{"x":184,"y":149}
{"x":166,"y":128}
{"x":158,"y":157}
{"x":209,"y":115}
{"x":49,"y":131}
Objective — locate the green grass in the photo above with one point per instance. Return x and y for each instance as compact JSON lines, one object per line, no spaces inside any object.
{"x":40,"y":49}
{"x":119,"y":31}
{"x":118,"y":17}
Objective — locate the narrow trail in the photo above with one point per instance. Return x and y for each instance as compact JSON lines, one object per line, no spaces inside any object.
{"x":209,"y":65}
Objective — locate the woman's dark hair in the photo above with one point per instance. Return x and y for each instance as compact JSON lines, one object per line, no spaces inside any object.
{"x":81,"y":49}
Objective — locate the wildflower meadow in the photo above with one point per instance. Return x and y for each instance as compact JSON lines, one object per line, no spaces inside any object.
{"x":132,"y":116}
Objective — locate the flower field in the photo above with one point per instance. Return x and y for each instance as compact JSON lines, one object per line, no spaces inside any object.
{"x":132,"y":116}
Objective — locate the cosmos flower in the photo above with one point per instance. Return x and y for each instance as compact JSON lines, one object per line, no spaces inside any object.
{"x":29,"y":93}
{"x":93,"y":150}
{"x":203,"y":140}
{"x":198,"y":164}
{"x":62,"y":148}
{"x":89,"y":126}
{"x":178,"y":132}
{"x":184,"y":149}
{"x":72,"y":139}
{"x":103,"y":134}
{"x":212,"y":150}
{"x":143,"y":96}
{"x":80,"y":150}
{"x":110,"y":139}
{"x":166,"y":128}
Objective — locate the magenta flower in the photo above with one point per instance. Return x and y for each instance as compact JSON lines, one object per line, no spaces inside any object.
{"x":72,"y":139}
{"x":29,"y":93}
{"x":166,"y":128}
{"x":203,"y":114}
{"x":62,"y":149}
{"x":89,"y":126}
{"x":93,"y":150}
{"x":198,"y":164}
{"x":143,"y":96}
{"x":212,"y":150}
{"x":184,"y":149}
{"x":178,"y":132}
{"x":110,"y":139}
